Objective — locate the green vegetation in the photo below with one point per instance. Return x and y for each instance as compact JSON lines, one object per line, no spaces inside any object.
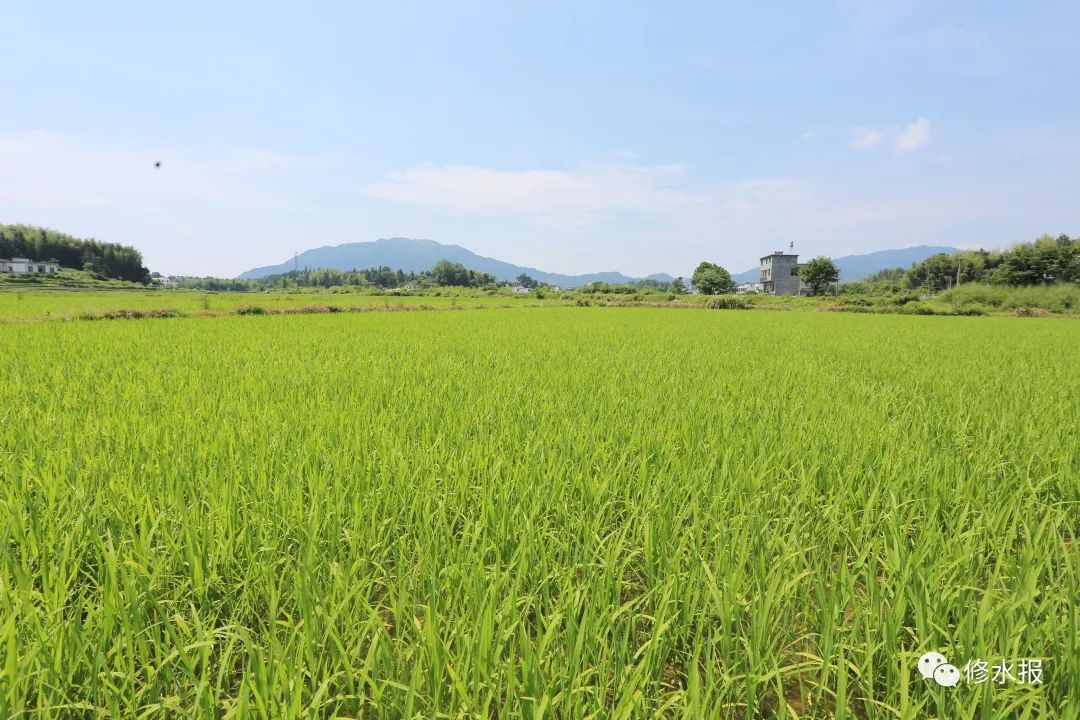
{"x":22,"y":303}
{"x":727,"y":302}
{"x":451,"y":274}
{"x":711,"y":279}
{"x":443,"y":274}
{"x":1057,"y":298}
{"x":533,"y":512}
{"x":526,"y":281}
{"x":1036,"y":278}
{"x":75,"y":304}
{"x":819,"y":274}
{"x":1046,"y":261}
{"x":883,"y":282}
{"x":103,"y":261}
{"x":379,"y":277}
{"x":64,"y":278}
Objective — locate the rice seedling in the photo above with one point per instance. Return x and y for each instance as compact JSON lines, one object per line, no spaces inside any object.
{"x":555,"y":512}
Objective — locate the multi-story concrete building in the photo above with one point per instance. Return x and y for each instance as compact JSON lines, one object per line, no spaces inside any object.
{"x":780,"y":274}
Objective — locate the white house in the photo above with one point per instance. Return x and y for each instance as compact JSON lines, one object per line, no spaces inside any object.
{"x":25,"y":265}
{"x":748,"y":288}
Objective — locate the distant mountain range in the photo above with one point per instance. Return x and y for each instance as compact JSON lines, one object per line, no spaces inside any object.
{"x":419,"y":255}
{"x":856,"y":267}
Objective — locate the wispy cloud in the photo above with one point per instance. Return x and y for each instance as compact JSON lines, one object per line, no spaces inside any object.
{"x":556,"y":199}
{"x":590,"y":188}
{"x":863,"y":138}
{"x":913,"y":136}
{"x":905,"y":138}
{"x":573,"y":198}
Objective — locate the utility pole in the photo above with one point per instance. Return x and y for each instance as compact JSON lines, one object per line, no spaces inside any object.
{"x":295,"y":261}
{"x":957,"y":273}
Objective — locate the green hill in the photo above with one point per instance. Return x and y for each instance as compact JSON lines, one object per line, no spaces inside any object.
{"x":104,"y":261}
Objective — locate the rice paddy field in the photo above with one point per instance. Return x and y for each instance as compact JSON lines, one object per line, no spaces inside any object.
{"x":59,"y":304}
{"x":553,"y":512}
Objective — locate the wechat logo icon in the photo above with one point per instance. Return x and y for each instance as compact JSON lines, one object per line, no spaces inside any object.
{"x":934,"y":666}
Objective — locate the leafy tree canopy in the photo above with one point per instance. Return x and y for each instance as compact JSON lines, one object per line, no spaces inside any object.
{"x":1047,"y":260}
{"x":457,"y":275}
{"x":711,"y":279}
{"x":819,"y":274}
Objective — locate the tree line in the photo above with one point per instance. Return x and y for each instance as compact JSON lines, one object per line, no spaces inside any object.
{"x":380,"y":277}
{"x":443,"y":274}
{"x":106,"y":261}
{"x":1045,"y":261}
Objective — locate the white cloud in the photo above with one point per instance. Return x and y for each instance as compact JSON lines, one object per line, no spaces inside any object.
{"x":578,"y":198}
{"x":914,"y":136}
{"x":907,"y":138}
{"x":478,"y":189}
{"x":864,"y":139}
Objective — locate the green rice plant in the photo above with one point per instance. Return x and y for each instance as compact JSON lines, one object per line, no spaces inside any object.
{"x":537,"y":512}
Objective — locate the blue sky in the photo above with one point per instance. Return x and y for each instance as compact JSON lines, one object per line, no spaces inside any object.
{"x":573,"y":137}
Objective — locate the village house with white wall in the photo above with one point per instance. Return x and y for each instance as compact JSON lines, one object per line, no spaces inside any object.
{"x":25,"y":265}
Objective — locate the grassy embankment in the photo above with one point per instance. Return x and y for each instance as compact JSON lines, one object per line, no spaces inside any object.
{"x":40,"y":303}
